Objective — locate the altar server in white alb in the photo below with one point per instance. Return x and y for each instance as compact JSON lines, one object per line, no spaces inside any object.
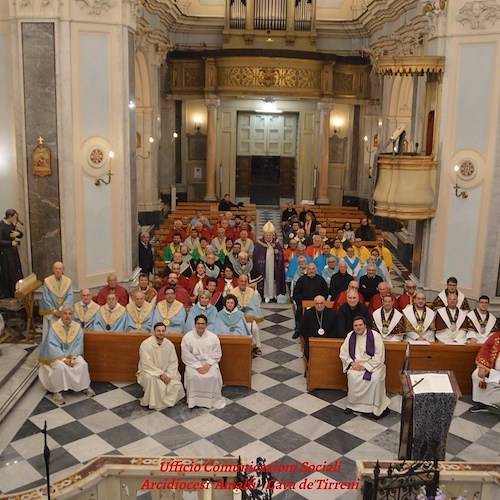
{"x":158,"y":372}
{"x":363,"y":355}
{"x":482,"y":323}
{"x":62,"y":366}
{"x":201,"y":353}
{"x":451,"y":322}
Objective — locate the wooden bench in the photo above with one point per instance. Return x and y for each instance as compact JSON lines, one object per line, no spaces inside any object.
{"x":325,"y":367}
{"x":114,"y":357}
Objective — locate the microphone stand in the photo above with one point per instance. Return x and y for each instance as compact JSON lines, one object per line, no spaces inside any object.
{"x":46,"y":456}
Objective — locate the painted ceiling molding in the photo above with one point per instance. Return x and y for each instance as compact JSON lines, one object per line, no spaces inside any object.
{"x":410,"y":65}
{"x":96,"y":7}
{"x":480,"y":14}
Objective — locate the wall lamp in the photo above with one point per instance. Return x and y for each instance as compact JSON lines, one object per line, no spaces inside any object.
{"x":151,"y":140}
{"x":100,"y":181}
{"x":459,"y":194}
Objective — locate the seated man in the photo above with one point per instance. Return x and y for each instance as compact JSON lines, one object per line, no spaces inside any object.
{"x":360,"y":250}
{"x":301,"y":271}
{"x":177,"y":229}
{"x":321,"y":260}
{"x":246,"y":244}
{"x":307,"y":287}
{"x":329,"y":270}
{"x":383,"y":290}
{"x":368,"y":284}
{"x":318,"y":321}
{"x":139,"y":317}
{"x":200,"y":252}
{"x":217,"y":299}
{"x":338,"y":250}
{"x":245,"y":265}
{"x":62,"y":366}
{"x":388,"y":321}
{"x":144,"y":287}
{"x":353,"y":262}
{"x":204,"y":307}
{"x":181,"y":294}
{"x":350,"y":310}
{"x":158,"y":371}
{"x":219,"y":244}
{"x":192,"y":241}
{"x":385,"y":253}
{"x":486,"y":393}
{"x":173,"y":247}
{"x":342,"y":297}
{"x":315,"y":249}
{"x":408,"y":298}
{"x":230,"y":320}
{"x":86,"y":310}
{"x":198,"y":280}
{"x":419,"y":321}
{"x":451,"y":322}
{"x":340,"y":281}
{"x":57,"y":291}
{"x":111,"y":317}
{"x":201,"y":353}
{"x":227,"y":281}
{"x":482,"y":323}
{"x":170,"y":312}
{"x":199,"y":217}
{"x":212,"y":269}
{"x":287,"y":213}
{"x":451,"y":287}
{"x":113,"y":287}
{"x":363,"y":355}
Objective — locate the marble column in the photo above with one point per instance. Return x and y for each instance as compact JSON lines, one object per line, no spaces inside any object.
{"x":212,"y":105}
{"x":325,"y":109}
{"x":40,"y":119}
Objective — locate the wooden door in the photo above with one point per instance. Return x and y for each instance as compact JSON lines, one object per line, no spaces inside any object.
{"x":287,"y":177}
{"x":243,"y":175}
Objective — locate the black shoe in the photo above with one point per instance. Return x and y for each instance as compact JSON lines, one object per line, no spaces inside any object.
{"x":295,"y":335}
{"x":348,"y":411}
{"x":257,"y":351}
{"x":479,"y":408}
{"x":382,"y":415}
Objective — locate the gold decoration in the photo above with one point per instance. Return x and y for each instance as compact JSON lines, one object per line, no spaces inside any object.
{"x":410,"y":65}
{"x":41,"y":159}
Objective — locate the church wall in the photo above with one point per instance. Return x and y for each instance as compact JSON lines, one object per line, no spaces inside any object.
{"x":465,"y":229}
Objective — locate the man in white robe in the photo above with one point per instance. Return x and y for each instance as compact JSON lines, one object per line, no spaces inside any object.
{"x":363,"y":355}
{"x":353,"y":262}
{"x":451,"y":287}
{"x":57,"y":291}
{"x":451,"y":322}
{"x":419,"y":321}
{"x":388,"y":321}
{"x":62,"y":366}
{"x":201,"y":353}
{"x":482,"y":323}
{"x":158,"y":371}
{"x":86,"y":310}
{"x":111,"y":316}
{"x":139,"y":316}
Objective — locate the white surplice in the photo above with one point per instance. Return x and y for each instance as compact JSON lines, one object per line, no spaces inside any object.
{"x":154,"y":360}
{"x":365,"y":396}
{"x":491,"y":394}
{"x":202,"y":390}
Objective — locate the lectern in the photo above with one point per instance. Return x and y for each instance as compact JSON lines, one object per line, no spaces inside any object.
{"x":429,"y":400}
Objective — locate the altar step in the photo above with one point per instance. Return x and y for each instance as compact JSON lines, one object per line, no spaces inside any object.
{"x":18,"y":369}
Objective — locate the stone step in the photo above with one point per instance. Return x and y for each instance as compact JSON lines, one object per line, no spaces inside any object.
{"x":12,"y":356}
{"x":19,"y":378}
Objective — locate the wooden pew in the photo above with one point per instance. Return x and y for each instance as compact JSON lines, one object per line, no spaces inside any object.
{"x":113,"y":357}
{"x":460,"y":359}
{"x":325,"y":368}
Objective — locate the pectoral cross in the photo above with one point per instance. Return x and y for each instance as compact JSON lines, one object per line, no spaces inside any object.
{"x":40,"y":139}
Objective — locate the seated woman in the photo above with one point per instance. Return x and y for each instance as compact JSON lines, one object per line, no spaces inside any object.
{"x":198,"y":280}
{"x":348,"y":231}
{"x":204,"y":307}
{"x":231,"y":321}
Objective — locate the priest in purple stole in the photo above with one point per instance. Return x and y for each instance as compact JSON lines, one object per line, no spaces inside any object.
{"x":269,"y":261}
{"x":363,"y":355}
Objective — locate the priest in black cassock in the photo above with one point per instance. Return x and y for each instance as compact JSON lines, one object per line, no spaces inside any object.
{"x":348,"y":311}
{"x":146,"y":259}
{"x":10,"y":264}
{"x":318,"y":321}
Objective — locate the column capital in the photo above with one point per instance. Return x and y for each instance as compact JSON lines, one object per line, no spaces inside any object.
{"x":212,"y":104}
{"x":325,"y":107}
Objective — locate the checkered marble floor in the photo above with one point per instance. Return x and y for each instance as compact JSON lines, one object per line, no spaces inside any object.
{"x":277,"y":419}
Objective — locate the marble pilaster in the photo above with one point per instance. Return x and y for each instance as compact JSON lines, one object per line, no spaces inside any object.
{"x":39,"y":72}
{"x":212,"y":105}
{"x":325,"y":109}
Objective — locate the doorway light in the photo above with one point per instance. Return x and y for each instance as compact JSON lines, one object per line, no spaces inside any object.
{"x":269,"y":106}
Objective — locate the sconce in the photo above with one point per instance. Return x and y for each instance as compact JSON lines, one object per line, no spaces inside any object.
{"x":174,"y":136}
{"x":100,"y":181}
{"x":459,"y":194}
{"x":337,"y":122}
{"x":197,"y":126}
{"x":151,"y":140}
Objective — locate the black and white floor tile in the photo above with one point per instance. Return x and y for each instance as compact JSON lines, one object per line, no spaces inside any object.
{"x":277,"y":419}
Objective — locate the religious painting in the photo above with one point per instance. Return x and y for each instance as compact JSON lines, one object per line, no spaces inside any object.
{"x":41,"y":159}
{"x":197,"y":146}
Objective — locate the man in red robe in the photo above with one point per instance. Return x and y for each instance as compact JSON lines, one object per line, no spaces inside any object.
{"x":113,"y":287}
